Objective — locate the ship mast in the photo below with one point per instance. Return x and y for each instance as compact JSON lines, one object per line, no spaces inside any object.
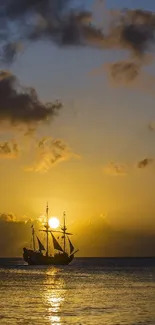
{"x":47,"y":226}
{"x":64,"y":231}
{"x":33,"y":238}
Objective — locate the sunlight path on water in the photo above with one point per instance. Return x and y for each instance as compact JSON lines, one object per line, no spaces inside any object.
{"x":87,"y":292}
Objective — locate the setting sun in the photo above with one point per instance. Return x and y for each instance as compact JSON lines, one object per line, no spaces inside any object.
{"x":54,"y":222}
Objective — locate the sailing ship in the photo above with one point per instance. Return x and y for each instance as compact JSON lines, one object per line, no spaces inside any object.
{"x":41,"y":256}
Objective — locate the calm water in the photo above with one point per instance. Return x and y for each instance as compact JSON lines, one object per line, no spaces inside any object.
{"x":89,"y":291}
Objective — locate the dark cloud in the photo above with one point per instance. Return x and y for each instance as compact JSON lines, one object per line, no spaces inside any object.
{"x":145,"y":162}
{"x":55,"y":20}
{"x":138,"y":28}
{"x":19,"y":8}
{"x":60,"y":22}
{"x":49,"y":152}
{"x":131,"y":29}
{"x":9,"y":150}
{"x":101,"y":239}
{"x":14,"y":234}
{"x":21,"y":105}
{"x":10,"y":51}
{"x":73,"y":29}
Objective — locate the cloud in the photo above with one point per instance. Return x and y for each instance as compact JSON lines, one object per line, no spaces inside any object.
{"x":104,"y":239}
{"x":151,"y":126}
{"x":9,"y":150}
{"x":21,"y":105}
{"x":145,"y":163}
{"x":46,"y":152}
{"x":71,"y":29}
{"x":101,"y":238}
{"x":14,"y":234}
{"x":130,"y":73}
{"x":10,"y":51}
{"x":7,"y":217}
{"x":49,"y":152}
{"x":60,"y":22}
{"x":133,"y":30}
{"x":66,"y":25}
{"x":57,"y":21}
{"x":116,"y":169}
{"x":124,"y":71}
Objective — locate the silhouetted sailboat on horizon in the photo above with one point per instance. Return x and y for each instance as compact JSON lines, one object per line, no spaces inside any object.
{"x":63,"y":256}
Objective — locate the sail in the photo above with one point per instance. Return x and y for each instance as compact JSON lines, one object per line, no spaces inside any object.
{"x":70,"y":246}
{"x":56,"y":244}
{"x":41,"y":247}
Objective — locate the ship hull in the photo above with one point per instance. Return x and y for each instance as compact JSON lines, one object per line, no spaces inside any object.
{"x":36,"y":258}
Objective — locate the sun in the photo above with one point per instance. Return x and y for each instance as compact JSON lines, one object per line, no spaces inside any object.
{"x":54,"y":222}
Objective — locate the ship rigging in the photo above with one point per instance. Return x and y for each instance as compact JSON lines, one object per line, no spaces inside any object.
{"x":62,"y":256}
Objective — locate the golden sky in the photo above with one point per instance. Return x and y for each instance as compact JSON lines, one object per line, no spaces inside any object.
{"x":90,"y":151}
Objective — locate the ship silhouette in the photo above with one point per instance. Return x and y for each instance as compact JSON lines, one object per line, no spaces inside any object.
{"x":61,"y":254}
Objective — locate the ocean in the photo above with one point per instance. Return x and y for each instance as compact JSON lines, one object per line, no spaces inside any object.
{"x":90,"y":291}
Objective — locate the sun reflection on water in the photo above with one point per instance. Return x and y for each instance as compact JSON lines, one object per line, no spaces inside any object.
{"x":54,"y":308}
{"x":55,"y":320}
{"x":54,"y":296}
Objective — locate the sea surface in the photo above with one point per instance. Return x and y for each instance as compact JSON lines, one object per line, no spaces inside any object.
{"x":94,"y":291}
